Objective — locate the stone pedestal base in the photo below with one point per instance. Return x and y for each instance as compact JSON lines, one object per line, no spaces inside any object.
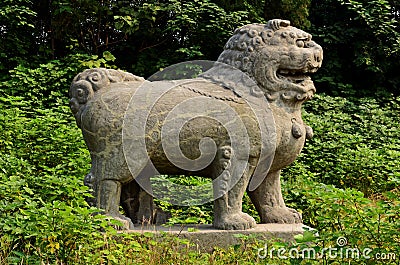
{"x":206,"y":237}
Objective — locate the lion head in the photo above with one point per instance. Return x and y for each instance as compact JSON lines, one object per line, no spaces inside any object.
{"x":89,"y":81}
{"x":277,"y":57}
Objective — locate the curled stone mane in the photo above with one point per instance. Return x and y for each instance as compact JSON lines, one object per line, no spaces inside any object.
{"x":239,"y":49}
{"x":261,"y":50}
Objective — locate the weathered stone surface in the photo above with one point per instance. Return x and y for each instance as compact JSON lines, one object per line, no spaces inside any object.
{"x":248,"y":103}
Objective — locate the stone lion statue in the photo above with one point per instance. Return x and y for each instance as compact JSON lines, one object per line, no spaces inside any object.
{"x":238,"y":123}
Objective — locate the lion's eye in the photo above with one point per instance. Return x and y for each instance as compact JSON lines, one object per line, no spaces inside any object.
{"x":300,"y":43}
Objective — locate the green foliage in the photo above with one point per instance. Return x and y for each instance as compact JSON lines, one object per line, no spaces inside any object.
{"x":294,"y":10}
{"x":355,"y":147}
{"x":43,"y":212}
{"x":194,"y":214}
{"x":169,"y":189}
{"x":383,"y":42}
{"x":144,"y":35}
{"x":351,"y":214}
{"x":361,"y":45}
{"x":345,"y":213}
{"x":378,"y":16}
{"x":47,"y":85}
{"x":360,"y":38}
{"x":356,"y":143}
{"x":16,"y":18}
{"x":177,"y":31}
{"x":84,"y":26}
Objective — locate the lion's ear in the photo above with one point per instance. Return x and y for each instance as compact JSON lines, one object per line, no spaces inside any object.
{"x":276,"y":24}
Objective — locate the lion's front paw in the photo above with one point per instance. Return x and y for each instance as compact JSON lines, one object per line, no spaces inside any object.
{"x":126,"y":222}
{"x":281,"y":215}
{"x":237,"y":221}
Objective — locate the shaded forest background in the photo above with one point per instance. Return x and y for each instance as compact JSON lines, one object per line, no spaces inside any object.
{"x":346,"y":181}
{"x":360,"y":38}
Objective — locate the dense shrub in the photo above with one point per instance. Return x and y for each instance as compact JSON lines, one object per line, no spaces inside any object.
{"x":43,"y":213}
{"x":344,"y":221}
{"x":356,"y":142}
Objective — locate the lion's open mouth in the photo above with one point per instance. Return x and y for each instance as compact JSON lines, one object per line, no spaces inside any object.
{"x":298,"y":77}
{"x":303,"y":88}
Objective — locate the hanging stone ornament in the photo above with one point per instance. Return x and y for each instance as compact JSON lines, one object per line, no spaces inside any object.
{"x":309,"y":132}
{"x":296,"y":129}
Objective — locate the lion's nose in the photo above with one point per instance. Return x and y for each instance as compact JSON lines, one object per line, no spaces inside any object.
{"x":318,"y":57}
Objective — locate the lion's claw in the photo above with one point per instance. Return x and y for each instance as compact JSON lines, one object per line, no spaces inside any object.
{"x":281,"y":215}
{"x":238,"y":221}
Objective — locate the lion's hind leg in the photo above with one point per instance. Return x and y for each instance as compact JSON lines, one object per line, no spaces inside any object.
{"x":138,"y":204}
{"x":228,"y":213}
{"x":108,"y":177}
{"x":109,"y":198}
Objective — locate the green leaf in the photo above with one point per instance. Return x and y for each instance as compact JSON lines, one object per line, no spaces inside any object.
{"x":108,"y":56}
{"x":28,"y":190}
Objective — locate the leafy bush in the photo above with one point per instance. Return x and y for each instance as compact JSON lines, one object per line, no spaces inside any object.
{"x":355,"y":148}
{"x":46,"y":87}
{"x":356,"y":143}
{"x":363,"y":223}
{"x":164,"y":33}
{"x":361,"y":41}
{"x":43,"y":213}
